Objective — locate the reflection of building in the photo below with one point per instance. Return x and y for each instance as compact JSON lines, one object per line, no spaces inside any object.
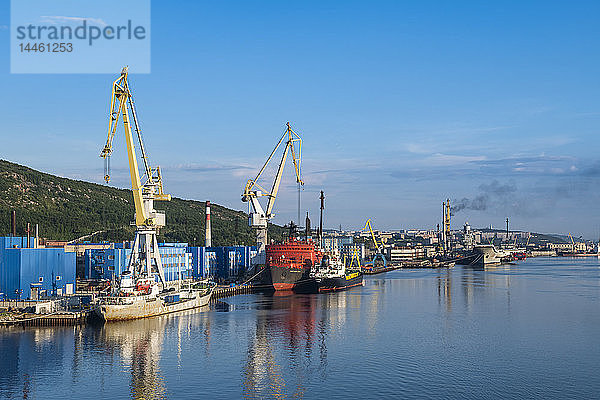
{"x":29,"y":272}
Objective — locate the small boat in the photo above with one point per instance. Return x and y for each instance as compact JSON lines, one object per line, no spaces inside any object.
{"x":142,"y":298}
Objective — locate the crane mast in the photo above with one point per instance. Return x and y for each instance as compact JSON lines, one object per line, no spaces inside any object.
{"x":258,"y":217}
{"x":145,"y":259}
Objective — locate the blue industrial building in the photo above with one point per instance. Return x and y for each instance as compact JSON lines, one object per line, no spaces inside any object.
{"x":31,"y":272}
{"x":106,"y":263}
{"x":197,"y":262}
{"x":227,"y":262}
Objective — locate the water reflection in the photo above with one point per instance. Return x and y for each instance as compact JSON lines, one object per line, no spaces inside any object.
{"x":461,"y":332}
{"x":480,"y":284}
{"x":444,"y":288}
{"x":289,"y":346}
{"x":140,"y":344}
{"x":288,"y":319}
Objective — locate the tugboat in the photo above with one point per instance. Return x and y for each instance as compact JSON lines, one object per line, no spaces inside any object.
{"x":288,"y":264}
{"x":332,"y":275}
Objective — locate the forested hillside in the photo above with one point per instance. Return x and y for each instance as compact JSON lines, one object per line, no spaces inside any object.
{"x":66,"y":209}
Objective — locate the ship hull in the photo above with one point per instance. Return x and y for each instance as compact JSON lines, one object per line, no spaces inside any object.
{"x":283,"y":278}
{"x":329,"y":284}
{"x":120,"y":309}
{"x":341,"y":282}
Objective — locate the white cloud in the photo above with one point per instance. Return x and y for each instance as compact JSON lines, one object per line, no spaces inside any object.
{"x":60,"y":19}
{"x":439,"y":159}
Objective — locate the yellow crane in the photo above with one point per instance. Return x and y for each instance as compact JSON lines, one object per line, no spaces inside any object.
{"x":379,"y":259}
{"x":259,"y":217}
{"x":572,"y":243}
{"x":146,"y":188}
{"x":353,"y":258}
{"x":377,"y":246}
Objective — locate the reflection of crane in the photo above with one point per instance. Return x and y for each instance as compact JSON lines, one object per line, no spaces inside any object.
{"x":144,"y":255}
{"x":259,"y":217}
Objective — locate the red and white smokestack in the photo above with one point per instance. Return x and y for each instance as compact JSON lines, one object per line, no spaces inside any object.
{"x":207,"y":234}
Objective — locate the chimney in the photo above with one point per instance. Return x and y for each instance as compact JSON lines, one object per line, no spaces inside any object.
{"x":28,"y":231}
{"x":207,"y":234}
{"x":322,"y":197}
{"x":37,"y":235}
{"x":13,"y":223}
{"x":308,"y":233}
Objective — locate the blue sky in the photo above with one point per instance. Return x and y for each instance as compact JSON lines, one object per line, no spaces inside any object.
{"x":401,"y":105}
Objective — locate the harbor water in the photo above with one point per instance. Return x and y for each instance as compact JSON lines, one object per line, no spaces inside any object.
{"x":526,"y":330}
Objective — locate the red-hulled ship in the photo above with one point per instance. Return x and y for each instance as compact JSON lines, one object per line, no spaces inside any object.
{"x":289,"y":263}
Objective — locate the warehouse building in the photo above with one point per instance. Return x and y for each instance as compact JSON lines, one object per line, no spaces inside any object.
{"x":221,"y":263}
{"x":27,"y":272}
{"x":109,"y":263}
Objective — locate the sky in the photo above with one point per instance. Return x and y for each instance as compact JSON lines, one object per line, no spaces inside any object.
{"x":401,"y":105}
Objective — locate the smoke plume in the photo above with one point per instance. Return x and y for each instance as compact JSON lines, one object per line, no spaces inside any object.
{"x":493,"y":194}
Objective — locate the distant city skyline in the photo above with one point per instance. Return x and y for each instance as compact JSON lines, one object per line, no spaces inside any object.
{"x":401,"y":106}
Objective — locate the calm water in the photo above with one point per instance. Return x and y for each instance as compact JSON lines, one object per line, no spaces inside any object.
{"x":530,"y":330}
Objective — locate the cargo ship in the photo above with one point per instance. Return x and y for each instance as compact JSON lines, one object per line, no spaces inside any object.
{"x":288,"y":264}
{"x":141,"y":298}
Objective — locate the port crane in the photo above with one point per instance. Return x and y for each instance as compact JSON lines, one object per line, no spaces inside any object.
{"x":259,"y":217}
{"x":572,"y":244}
{"x":148,"y":187}
{"x":379,"y":259}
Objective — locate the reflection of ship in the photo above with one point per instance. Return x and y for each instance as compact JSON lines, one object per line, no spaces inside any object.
{"x":292,"y":323}
{"x":140,"y":346}
{"x":289,"y":263}
{"x":144,"y":301}
{"x":331,"y":275}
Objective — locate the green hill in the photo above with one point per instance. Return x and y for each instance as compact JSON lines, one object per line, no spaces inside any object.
{"x":67,"y":209}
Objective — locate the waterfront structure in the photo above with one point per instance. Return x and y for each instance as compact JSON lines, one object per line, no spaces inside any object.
{"x":221,"y":262}
{"x":30,"y":272}
{"x":334,"y":244}
{"x":396,"y":255}
{"x":110,"y":263}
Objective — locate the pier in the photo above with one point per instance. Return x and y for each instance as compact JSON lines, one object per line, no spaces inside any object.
{"x":223,"y":292}
{"x":61,"y":318}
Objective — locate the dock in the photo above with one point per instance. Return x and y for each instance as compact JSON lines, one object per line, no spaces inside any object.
{"x":61,"y":318}
{"x":229,"y":291}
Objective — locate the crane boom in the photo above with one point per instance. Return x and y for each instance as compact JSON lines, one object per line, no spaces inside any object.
{"x":368,"y":224}
{"x":259,"y":217}
{"x":121,"y":100}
